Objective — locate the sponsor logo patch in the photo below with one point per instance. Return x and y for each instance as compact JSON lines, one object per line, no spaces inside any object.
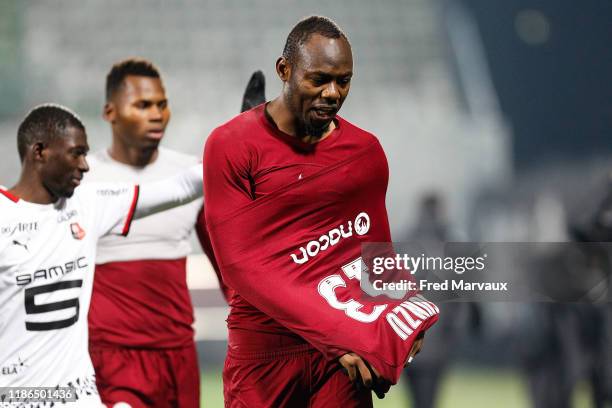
{"x":13,"y":368}
{"x":10,"y":230}
{"x":66,"y":216}
{"x":361,"y":224}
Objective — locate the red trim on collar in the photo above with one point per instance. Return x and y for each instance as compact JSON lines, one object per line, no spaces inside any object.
{"x":8,"y":195}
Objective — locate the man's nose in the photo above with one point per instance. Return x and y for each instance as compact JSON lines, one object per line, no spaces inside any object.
{"x":83,"y":166}
{"x":156,"y":113}
{"x":331,"y":91}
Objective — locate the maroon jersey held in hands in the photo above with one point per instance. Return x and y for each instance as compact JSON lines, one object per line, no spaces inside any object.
{"x":287,"y":220}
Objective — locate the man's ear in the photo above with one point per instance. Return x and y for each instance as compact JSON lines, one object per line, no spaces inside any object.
{"x":38,"y":151}
{"x":109,"y":112}
{"x":283,"y":69}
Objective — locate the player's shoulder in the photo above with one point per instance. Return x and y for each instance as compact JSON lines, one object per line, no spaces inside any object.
{"x":6,"y":197}
{"x":239,"y":128}
{"x":173,"y":157}
{"x":8,"y":203}
{"x":98,"y":158}
{"x":100,"y":164}
{"x":355,"y":131}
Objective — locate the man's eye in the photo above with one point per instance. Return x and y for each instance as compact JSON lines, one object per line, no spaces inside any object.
{"x":319,"y":81}
{"x":344,"y":81}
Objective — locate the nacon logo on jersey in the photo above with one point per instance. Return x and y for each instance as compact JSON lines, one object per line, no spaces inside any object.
{"x":332,"y":237}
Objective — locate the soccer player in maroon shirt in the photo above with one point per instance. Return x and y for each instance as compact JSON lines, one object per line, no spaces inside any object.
{"x":140,"y":321}
{"x":283,"y":183}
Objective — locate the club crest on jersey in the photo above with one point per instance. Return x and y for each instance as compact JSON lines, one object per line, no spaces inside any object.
{"x":77,"y":231}
{"x":331,"y":238}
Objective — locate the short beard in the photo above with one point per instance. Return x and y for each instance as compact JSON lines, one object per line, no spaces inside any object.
{"x":308,"y":130}
{"x":303,"y":129}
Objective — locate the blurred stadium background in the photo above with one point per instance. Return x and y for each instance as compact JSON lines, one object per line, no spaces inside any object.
{"x":502,"y":109}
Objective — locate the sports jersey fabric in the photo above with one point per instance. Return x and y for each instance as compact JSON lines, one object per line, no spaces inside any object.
{"x":47,"y":255}
{"x":287,"y":220}
{"x":140,"y":296}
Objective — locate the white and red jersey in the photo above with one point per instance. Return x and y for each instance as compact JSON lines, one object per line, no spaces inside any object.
{"x":140,"y":296}
{"x":47,"y":259}
{"x":160,"y":236}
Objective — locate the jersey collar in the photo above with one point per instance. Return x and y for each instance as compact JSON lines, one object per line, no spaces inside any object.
{"x":8,"y":195}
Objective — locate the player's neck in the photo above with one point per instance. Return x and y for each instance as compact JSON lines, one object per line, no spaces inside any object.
{"x":31,"y":189}
{"x":280,"y":115}
{"x":133,"y":156}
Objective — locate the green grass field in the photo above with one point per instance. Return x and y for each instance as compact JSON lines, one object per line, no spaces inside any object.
{"x":469,"y":388}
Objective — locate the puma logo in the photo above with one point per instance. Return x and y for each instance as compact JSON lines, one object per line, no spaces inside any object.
{"x":25,"y":246}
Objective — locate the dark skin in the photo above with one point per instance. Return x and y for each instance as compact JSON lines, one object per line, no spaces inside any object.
{"x":315,"y":86}
{"x":356,"y":368}
{"x":138,"y":113}
{"x":52,"y":170}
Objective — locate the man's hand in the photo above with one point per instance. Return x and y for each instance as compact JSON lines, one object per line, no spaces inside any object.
{"x":356,"y":369}
{"x":255,"y":92}
{"x":362,"y":374}
{"x":416,"y":348}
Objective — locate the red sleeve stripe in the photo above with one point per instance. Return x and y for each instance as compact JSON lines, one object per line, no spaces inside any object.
{"x":130,"y":216}
{"x":10,"y":196}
